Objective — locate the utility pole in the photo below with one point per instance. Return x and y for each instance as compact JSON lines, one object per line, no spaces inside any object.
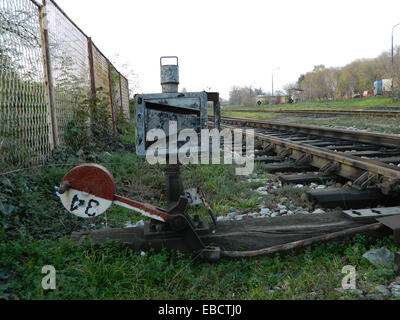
{"x":392,"y":59}
{"x":272,"y":73}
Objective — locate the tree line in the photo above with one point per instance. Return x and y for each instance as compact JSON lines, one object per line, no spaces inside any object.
{"x":358,"y":76}
{"x":324,"y":83}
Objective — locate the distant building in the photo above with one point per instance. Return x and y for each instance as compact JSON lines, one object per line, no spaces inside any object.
{"x":382,"y":87}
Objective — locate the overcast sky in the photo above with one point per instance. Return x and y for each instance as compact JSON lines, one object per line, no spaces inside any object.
{"x":224,"y":43}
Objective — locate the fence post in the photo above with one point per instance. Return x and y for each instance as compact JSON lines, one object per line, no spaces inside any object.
{"x":48,"y":76}
{"x":111,"y":97}
{"x":92,"y":80}
{"x":91,"y":68}
{"x":120,"y":95}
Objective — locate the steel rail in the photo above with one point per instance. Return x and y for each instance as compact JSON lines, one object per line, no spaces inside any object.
{"x":348,"y":166}
{"x":380,"y":139}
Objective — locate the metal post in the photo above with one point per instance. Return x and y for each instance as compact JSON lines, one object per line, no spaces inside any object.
{"x":92,"y":80}
{"x":120,"y":94}
{"x":111,"y":97}
{"x":217,"y":114}
{"x":272,"y":94}
{"x":392,"y":60}
{"x":48,"y":76}
{"x":169,"y":76}
{"x":91,"y":68}
{"x":273,"y":80}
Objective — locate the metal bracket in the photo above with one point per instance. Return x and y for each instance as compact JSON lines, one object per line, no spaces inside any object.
{"x":365,"y":180}
{"x":269,"y":150}
{"x":329,"y":169}
{"x":284,"y":153}
{"x":303,"y":159}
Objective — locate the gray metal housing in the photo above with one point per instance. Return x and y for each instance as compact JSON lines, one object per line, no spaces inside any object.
{"x":155,"y":111}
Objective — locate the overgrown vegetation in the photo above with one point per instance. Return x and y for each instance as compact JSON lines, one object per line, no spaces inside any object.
{"x":92,"y":127}
{"x":355,"y":77}
{"x":327,"y":83}
{"x":34,"y":231}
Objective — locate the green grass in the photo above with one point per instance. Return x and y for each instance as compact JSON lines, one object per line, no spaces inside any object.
{"x":250,"y":115}
{"x":112,"y":272}
{"x":34,"y":231}
{"x":360,"y":103}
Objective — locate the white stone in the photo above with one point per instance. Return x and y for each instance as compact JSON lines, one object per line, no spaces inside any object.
{"x":302,"y":212}
{"x":321,"y":187}
{"x":265,"y":211}
{"x":318,"y":211}
{"x":232,"y":214}
{"x":140,"y":223}
{"x":130,"y":225}
{"x":381,"y":256}
{"x":395,"y":289}
{"x":383,"y":290}
{"x":299,"y":186}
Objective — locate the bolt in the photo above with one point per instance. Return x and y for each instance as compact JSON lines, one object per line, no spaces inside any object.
{"x":64,"y":187}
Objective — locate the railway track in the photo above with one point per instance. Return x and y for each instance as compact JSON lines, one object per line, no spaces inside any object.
{"x":367,"y":113}
{"x":370,"y":161}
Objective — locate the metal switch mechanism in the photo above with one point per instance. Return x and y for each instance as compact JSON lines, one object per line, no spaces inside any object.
{"x":89,"y":190}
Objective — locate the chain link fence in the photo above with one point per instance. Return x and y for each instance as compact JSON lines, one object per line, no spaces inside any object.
{"x":24,"y":116}
{"x":48,"y":67}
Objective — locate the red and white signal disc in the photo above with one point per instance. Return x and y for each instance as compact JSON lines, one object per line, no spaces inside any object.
{"x":91,"y":190}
